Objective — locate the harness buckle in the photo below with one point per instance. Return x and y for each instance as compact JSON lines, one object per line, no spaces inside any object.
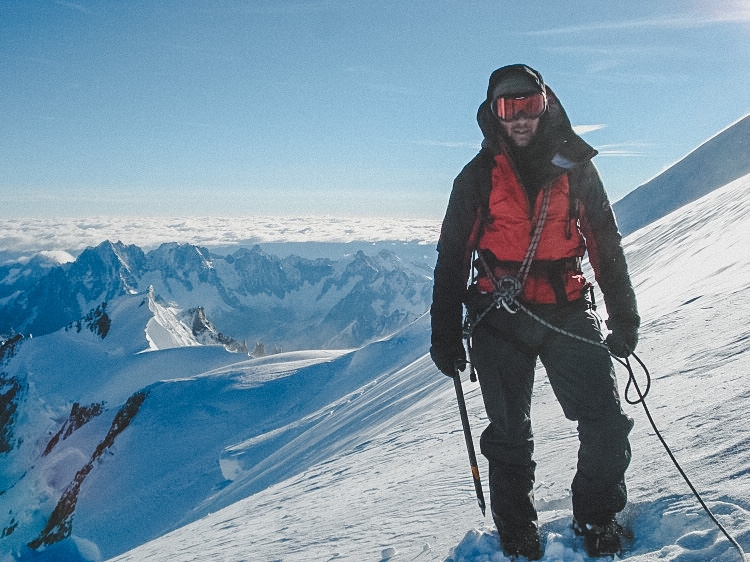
{"x":507,"y":289}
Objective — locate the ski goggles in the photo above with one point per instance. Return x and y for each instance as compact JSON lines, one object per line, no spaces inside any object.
{"x":511,"y":108}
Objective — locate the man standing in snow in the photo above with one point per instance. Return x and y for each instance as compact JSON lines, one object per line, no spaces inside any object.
{"x":528,"y":207}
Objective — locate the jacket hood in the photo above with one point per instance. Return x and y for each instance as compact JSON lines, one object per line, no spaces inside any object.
{"x":565,"y":148}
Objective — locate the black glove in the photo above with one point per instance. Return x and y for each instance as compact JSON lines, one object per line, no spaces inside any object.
{"x":448,"y":362}
{"x":624,"y":337}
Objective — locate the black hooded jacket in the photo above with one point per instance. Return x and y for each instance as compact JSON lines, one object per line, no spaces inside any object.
{"x":554,"y":150}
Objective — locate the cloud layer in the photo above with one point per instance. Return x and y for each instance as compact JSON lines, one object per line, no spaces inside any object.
{"x":75,"y":234}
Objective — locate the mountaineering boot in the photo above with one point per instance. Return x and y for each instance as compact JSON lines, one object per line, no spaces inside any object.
{"x":600,"y":540}
{"x":521,"y":541}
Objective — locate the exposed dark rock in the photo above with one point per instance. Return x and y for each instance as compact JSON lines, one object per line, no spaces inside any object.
{"x":60,"y":523}
{"x":79,"y":416}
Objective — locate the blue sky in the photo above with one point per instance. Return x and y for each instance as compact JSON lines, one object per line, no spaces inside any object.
{"x":336,"y":107}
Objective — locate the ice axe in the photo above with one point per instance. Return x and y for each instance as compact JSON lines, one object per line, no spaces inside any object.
{"x":469,"y":440}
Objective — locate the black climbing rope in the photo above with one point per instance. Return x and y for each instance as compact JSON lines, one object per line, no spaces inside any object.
{"x":642,"y":401}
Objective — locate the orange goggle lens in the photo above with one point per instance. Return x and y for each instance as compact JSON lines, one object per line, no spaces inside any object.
{"x":532,"y":105}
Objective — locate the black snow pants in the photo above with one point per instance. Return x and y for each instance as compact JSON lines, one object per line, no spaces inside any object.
{"x":505,"y":348}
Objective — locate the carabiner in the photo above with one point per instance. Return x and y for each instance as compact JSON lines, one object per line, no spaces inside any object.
{"x":506,"y":303}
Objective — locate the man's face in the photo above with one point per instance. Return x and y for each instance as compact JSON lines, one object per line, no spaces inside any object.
{"x":521,"y":130}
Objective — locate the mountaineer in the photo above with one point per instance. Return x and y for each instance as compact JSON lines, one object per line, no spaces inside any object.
{"x":520,"y":218}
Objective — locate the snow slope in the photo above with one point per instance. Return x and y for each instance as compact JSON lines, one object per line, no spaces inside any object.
{"x":718,"y":161}
{"x":405,"y":492}
{"x":359,"y":454}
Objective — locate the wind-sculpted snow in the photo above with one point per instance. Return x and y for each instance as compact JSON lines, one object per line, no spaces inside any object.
{"x":242,"y":410}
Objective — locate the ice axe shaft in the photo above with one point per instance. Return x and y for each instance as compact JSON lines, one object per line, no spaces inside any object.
{"x":469,"y":440}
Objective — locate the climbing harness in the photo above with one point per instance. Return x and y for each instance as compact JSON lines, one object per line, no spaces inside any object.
{"x":508,"y":288}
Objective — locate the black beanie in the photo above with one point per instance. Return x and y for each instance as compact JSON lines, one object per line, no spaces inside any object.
{"x":514,"y":79}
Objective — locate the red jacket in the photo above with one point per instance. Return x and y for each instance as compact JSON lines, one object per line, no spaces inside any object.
{"x":508,"y":230}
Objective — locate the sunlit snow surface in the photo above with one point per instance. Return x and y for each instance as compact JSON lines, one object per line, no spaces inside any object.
{"x":359,"y":454}
{"x":404,"y":492}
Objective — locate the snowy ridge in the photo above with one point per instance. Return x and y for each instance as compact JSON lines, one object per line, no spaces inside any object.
{"x":718,"y":161}
{"x":165,"y":330}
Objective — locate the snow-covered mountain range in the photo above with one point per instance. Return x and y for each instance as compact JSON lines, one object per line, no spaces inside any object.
{"x":124,"y":437}
{"x":249,"y":295}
